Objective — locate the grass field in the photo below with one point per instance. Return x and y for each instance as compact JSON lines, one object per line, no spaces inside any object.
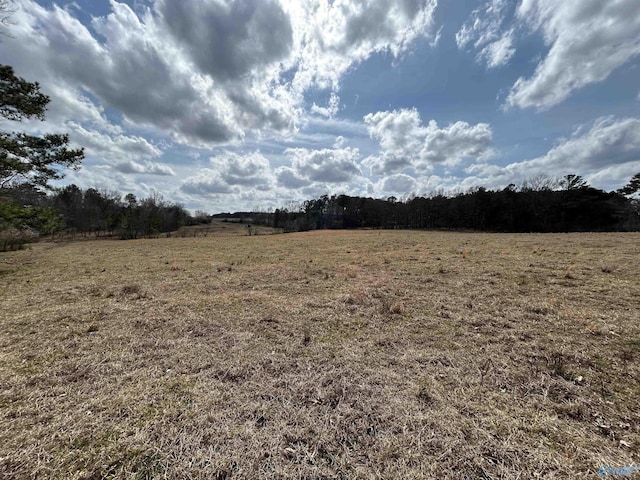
{"x":329,"y":354}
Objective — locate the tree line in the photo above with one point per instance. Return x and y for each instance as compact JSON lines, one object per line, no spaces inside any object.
{"x":28,"y":163}
{"x":540,"y":205}
{"x":70,"y":212}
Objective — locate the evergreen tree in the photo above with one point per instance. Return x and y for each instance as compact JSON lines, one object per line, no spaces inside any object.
{"x":632,"y":187}
{"x":27,"y":162}
{"x":27,"y":158}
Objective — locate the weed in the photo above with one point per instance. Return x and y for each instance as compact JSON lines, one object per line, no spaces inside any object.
{"x":357,"y":297}
{"x":131,"y":290}
{"x":558,"y":365}
{"x":92,"y":328}
{"x":397,"y":308}
{"x":569,"y":272}
{"x":425,"y":396}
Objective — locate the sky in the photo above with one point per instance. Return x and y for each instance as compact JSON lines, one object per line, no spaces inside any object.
{"x":260,"y":104}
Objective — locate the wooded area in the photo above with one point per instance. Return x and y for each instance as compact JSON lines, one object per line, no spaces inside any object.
{"x":568,"y":205}
{"x":27,"y":212}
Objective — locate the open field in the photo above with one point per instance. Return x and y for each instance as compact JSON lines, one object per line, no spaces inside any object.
{"x":329,"y":354}
{"x":230,"y":227}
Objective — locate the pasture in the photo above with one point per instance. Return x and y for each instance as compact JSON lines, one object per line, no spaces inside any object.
{"x":327,"y":354}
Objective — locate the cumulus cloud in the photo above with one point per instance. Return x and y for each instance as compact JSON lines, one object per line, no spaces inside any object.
{"x":483,"y":32}
{"x":248,"y":170}
{"x":587,"y":40}
{"x":206,"y":182}
{"x":229,"y":173}
{"x":399,"y":183}
{"x":69,"y":103}
{"x":405,"y":142}
{"x":289,"y":178}
{"x":332,"y":36}
{"x":399,"y":134}
{"x":112,"y":147}
{"x":147,"y":167}
{"x":208,"y":72}
{"x":229,"y":39}
{"x":128,"y":66}
{"x":607,"y":151}
{"x":339,"y":142}
{"x":608,"y":142}
{"x":328,"y":165}
{"x":241,"y":48}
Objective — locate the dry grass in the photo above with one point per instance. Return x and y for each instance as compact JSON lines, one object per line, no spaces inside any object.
{"x":321,"y":355}
{"x":228,"y":227}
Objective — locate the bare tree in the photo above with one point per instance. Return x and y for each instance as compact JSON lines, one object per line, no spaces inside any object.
{"x":539,"y":183}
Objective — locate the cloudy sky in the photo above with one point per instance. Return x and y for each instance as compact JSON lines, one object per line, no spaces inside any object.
{"x":235,"y":105}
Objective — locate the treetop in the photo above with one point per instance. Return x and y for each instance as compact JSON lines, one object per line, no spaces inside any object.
{"x":20,"y":98}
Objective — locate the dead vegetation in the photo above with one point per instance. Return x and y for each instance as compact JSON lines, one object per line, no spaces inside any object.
{"x":321,"y":355}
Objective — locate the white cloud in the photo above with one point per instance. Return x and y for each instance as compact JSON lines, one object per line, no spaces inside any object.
{"x":340,"y":142}
{"x":145,"y":168}
{"x":101,"y":176}
{"x":68,"y":103}
{"x":607,"y":153}
{"x":332,"y":36}
{"x":289,"y":178}
{"x":499,"y":52}
{"x":400,"y":136}
{"x":247,"y":170}
{"x":231,"y":172}
{"x":329,"y":165}
{"x":483,"y":32}
{"x":607,"y":142}
{"x":130,"y":67}
{"x":405,"y":142}
{"x":229,"y":40}
{"x":399,"y":183}
{"x":209,"y":72}
{"x":483,"y":25}
{"x":206,"y":182}
{"x":587,"y":40}
{"x":111,"y":147}
{"x":332,"y":108}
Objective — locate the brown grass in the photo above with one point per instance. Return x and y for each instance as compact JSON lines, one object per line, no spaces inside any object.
{"x":321,"y":355}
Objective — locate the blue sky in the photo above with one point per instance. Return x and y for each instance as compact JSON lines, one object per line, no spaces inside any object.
{"x":235,"y":105}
